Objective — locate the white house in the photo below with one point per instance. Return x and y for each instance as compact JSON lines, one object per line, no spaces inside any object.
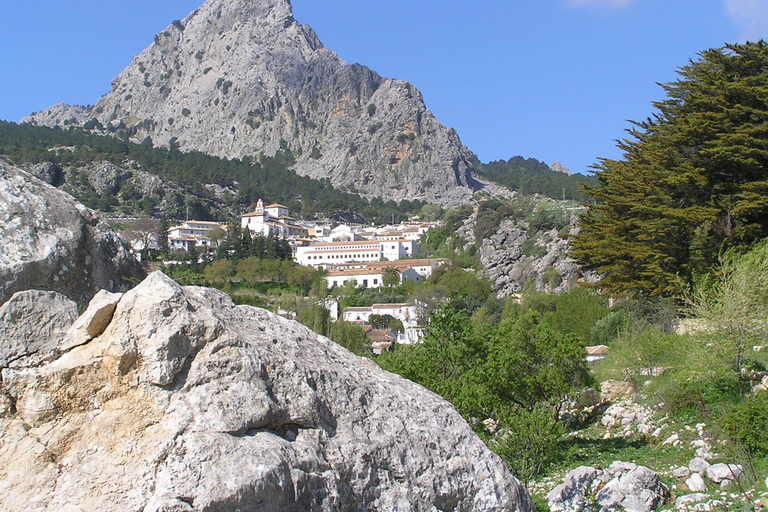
{"x":424,"y":267}
{"x":326,"y":254}
{"x":367,"y":277}
{"x":191,"y":233}
{"x":272,"y":220}
{"x":406,"y":313}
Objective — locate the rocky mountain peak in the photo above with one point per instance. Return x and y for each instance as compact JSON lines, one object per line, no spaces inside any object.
{"x":557,"y":166}
{"x":243,"y":78}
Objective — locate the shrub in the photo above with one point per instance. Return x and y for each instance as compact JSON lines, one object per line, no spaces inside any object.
{"x":530,"y":441}
{"x":746,"y":424}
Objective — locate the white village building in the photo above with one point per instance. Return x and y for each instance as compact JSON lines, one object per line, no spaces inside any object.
{"x":424,"y":267}
{"x":406,"y":313}
{"x":371,"y":275}
{"x":274,"y":219}
{"x":191,"y":233}
{"x":368,"y":277}
{"x":331,"y":253}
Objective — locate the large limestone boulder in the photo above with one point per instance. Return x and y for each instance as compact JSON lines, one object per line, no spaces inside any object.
{"x":184,"y":401}
{"x":51,"y":242}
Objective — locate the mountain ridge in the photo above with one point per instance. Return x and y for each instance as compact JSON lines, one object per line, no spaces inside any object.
{"x":242,"y":78}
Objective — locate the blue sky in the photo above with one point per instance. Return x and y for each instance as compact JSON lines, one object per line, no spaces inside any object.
{"x":555,"y":80}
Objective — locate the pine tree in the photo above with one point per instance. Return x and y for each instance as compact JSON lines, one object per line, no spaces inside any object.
{"x":693,"y":179}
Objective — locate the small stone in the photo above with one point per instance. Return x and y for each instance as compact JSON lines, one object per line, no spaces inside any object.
{"x":671,"y":439}
{"x":681,"y":472}
{"x":696,"y":484}
{"x":698,"y":465}
{"x":690,"y":499}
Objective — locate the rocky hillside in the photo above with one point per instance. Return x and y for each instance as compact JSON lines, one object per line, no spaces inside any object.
{"x":50,"y":241}
{"x":171,"y":398}
{"x":242,"y":77}
{"x":520,"y":239}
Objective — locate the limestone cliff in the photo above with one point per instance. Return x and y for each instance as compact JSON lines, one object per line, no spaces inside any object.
{"x":242,"y":77}
{"x":174,"y":399}
{"x":51,"y":242}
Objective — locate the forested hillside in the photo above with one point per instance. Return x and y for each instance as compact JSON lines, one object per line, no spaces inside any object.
{"x":530,"y":176}
{"x":247,"y":180}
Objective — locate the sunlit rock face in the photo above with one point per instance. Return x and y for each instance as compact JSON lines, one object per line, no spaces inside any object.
{"x":176,"y":399}
{"x":49,"y":241}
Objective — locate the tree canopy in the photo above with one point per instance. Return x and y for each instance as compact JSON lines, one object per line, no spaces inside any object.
{"x":252,"y":178}
{"x":693,"y":179}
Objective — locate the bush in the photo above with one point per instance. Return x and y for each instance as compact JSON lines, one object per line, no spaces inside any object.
{"x":530,"y":441}
{"x":746,"y":424}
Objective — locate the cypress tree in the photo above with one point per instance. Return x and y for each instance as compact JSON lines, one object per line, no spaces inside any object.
{"x":693,"y":179}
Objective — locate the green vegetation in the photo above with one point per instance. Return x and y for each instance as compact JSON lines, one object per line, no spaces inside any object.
{"x":530,"y":176}
{"x":251,"y":178}
{"x":692,"y":181}
{"x":508,"y":368}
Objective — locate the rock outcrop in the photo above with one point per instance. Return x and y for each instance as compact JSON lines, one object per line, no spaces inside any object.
{"x":241,"y":77}
{"x":51,"y":242}
{"x":516,"y":254}
{"x":131,"y":190}
{"x":183,"y":401}
{"x":623,"y":486}
{"x":32,"y":323}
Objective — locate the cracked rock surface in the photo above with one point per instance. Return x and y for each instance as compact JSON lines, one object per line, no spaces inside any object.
{"x":49,"y":241}
{"x":184,"y":401}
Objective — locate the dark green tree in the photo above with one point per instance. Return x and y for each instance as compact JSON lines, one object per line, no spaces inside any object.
{"x":529,"y":363}
{"x":693,"y":178}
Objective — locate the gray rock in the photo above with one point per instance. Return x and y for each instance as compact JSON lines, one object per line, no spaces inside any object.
{"x":704,"y":453}
{"x":697,"y":465}
{"x":239,"y":78}
{"x":690,"y":499}
{"x":635,"y":489}
{"x":577,"y":486}
{"x":557,"y":166}
{"x":639,"y":490}
{"x":719,"y":472}
{"x":618,"y":468}
{"x":696,"y":484}
{"x":51,"y":242}
{"x":188,"y":402}
{"x":49,"y":173}
{"x":681,"y":472}
{"x":510,"y":269}
{"x":32,"y":324}
{"x":95,"y":320}
{"x":127,"y":180}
